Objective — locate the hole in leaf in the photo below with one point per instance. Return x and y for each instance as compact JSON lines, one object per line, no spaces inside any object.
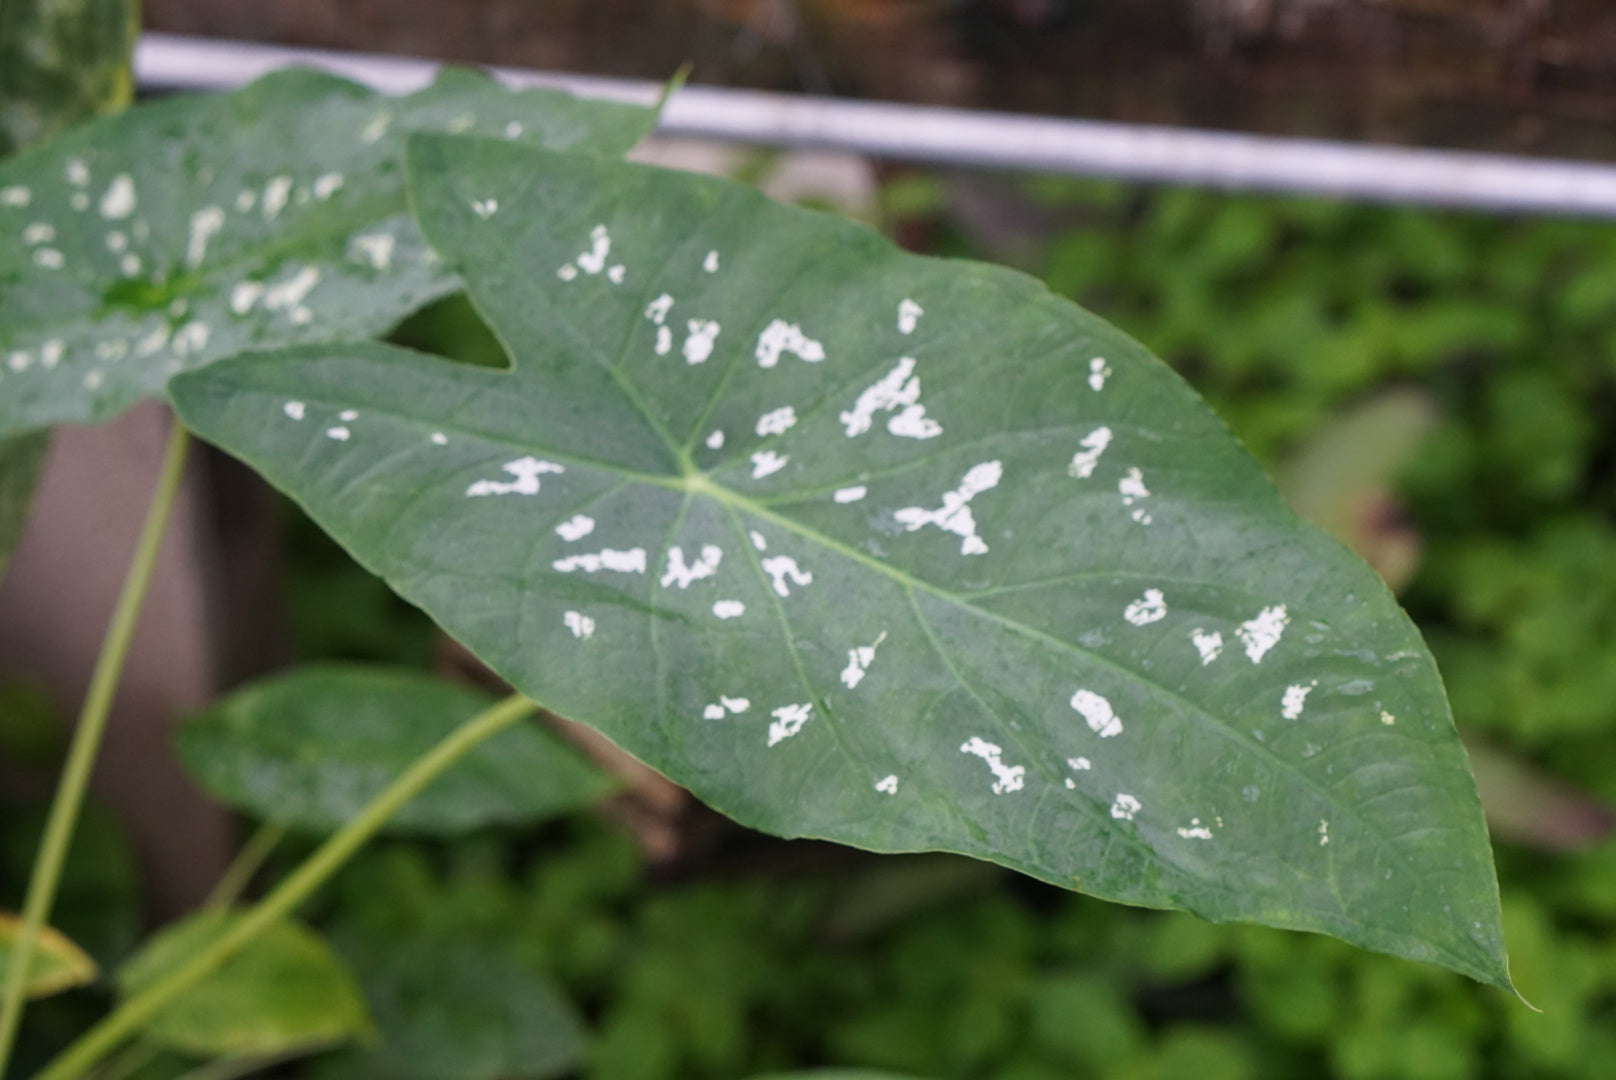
{"x":452,"y":329}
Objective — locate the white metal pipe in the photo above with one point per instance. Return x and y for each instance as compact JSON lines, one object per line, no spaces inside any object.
{"x":976,"y":139}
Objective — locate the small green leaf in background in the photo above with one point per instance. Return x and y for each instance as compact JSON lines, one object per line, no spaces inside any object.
{"x":449,"y":1007}
{"x":901,"y":552}
{"x":58,"y":963}
{"x":21,"y":460}
{"x":284,"y":993}
{"x":193,"y":228}
{"x":310,"y":748}
{"x":1342,"y":479}
{"x":60,"y":62}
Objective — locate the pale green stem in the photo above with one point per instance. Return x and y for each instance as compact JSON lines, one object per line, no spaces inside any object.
{"x":239,"y":874}
{"x":64,"y":811}
{"x":100,"y":1040}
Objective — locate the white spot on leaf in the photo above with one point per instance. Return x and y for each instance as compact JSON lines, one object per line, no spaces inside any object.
{"x":118,"y":202}
{"x":377,"y":249}
{"x":715,"y":441}
{"x":581,"y":625}
{"x":77,"y":173}
{"x":782,"y":568}
{"x":440,"y":439}
{"x":244,"y":296}
{"x":1324,"y":832}
{"x":40,"y":232}
{"x":631,"y":561}
{"x":955,"y":514}
{"x":1098,"y":373}
{"x":897,"y":389}
{"x":615,"y":274}
{"x":1262,"y":632}
{"x":204,"y":223}
{"x":1208,"y":645}
{"x":909,"y":314}
{"x":777,"y":422}
{"x":729,"y":609}
{"x":1079,"y":764}
{"x":699,"y":340}
{"x":293,"y":291}
{"x":887,"y":785}
{"x":1125,"y":807}
{"x":327,"y":186}
{"x":575,"y":528}
{"x":682,"y":576}
{"x":1295,"y":700}
{"x":1132,"y":489}
{"x":16,"y":196}
{"x":664,"y":341}
{"x":276,"y":194}
{"x":859,"y":660}
{"x":487,"y":208}
{"x":1387,"y":718}
{"x":850,"y":494}
{"x":527,"y":471}
{"x":1006,"y":778}
{"x":657,"y":310}
{"x":1148,"y":609}
{"x":191,"y":338}
{"x":49,"y":258}
{"x":788,"y":720}
{"x":781,"y":337}
{"x":377,"y":127}
{"x":710,"y":263}
{"x":1085,"y":460}
{"x":1195,"y":830}
{"x":758,"y":541}
{"x":766,"y":463}
{"x":294,"y":410}
{"x":1097,"y":712}
{"x":593,"y":261}
{"x":340,"y":434}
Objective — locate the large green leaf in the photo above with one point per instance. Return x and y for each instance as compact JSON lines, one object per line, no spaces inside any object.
{"x":190,"y":229}
{"x":450,"y":1007}
{"x":62,"y":61}
{"x":901,"y":552}
{"x":21,"y":460}
{"x":310,"y":748}
{"x":286,"y":992}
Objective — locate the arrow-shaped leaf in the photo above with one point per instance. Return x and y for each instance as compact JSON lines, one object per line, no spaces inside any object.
{"x":901,"y":552}
{"x":162,"y":239}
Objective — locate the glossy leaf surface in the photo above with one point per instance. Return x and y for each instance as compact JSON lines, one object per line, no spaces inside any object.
{"x":285,"y":992}
{"x":58,"y":963}
{"x":896,"y":551}
{"x":192,"y":228}
{"x":309,"y":749}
